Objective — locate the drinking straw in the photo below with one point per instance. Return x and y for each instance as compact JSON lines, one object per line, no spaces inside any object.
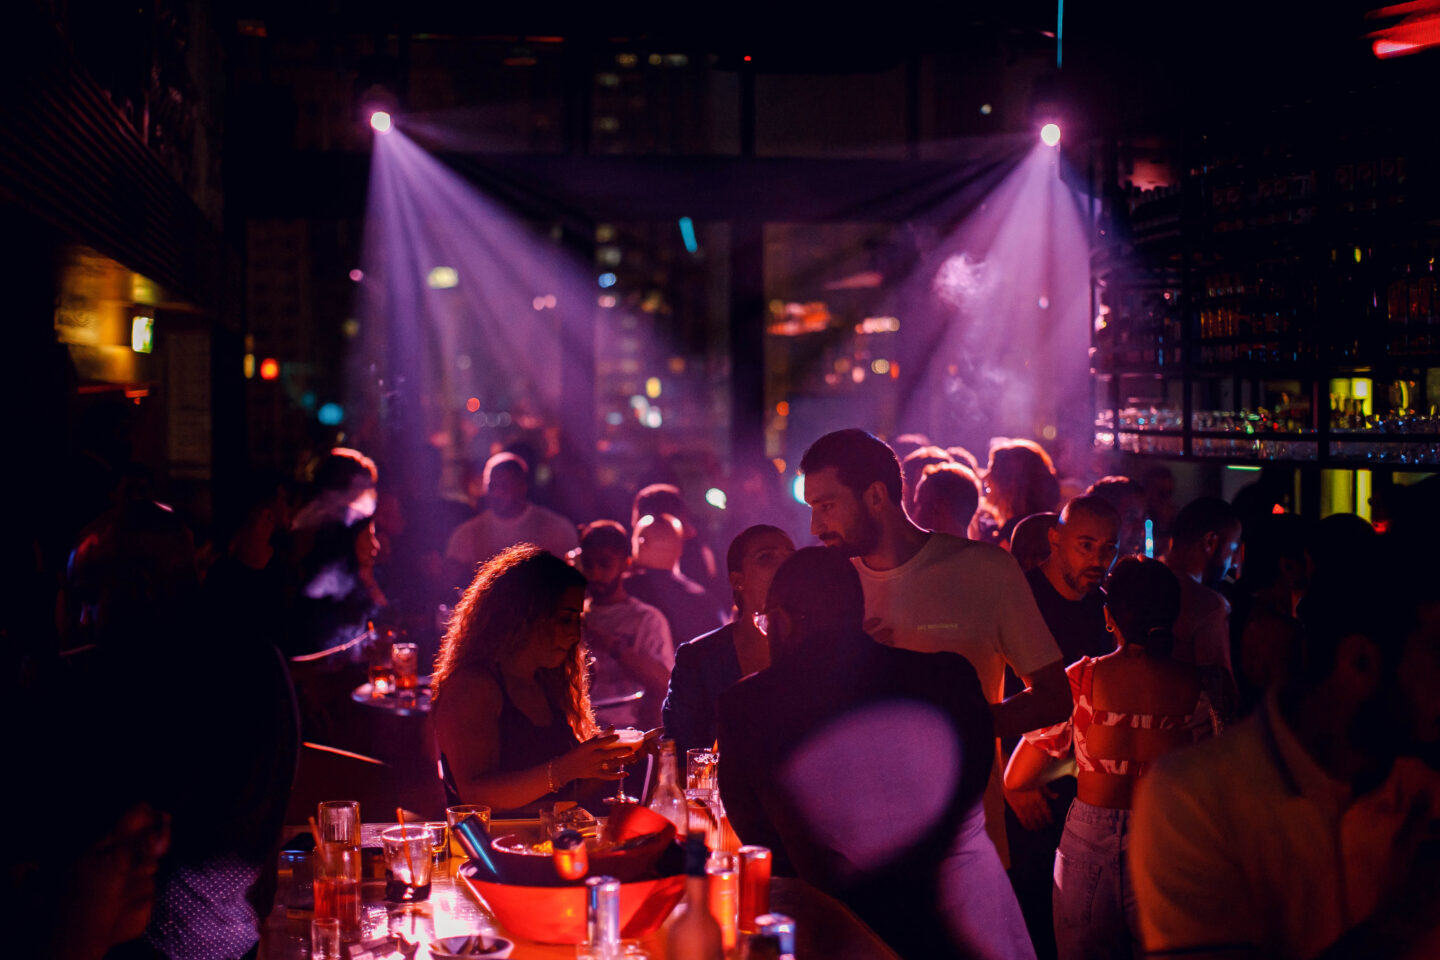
{"x":319,"y":841}
{"x":404,"y":841}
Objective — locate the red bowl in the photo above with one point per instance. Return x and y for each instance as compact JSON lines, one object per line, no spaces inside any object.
{"x":557,"y":914}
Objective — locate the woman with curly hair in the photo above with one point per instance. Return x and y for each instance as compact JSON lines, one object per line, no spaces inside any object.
{"x":511,"y":700}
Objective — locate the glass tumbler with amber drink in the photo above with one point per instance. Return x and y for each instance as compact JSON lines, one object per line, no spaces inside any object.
{"x":405,"y":658}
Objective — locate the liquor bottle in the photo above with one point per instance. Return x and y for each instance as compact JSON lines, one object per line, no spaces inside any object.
{"x":695,"y":935}
{"x":668,"y":799}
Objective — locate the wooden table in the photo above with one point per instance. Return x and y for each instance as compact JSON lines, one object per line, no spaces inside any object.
{"x":826,"y":929}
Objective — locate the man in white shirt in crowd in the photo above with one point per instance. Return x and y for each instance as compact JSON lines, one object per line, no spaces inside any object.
{"x":630,"y":640}
{"x":932,"y":592}
{"x":1312,"y":829}
{"x":509,"y":518}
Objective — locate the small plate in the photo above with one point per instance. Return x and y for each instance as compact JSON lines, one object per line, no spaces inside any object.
{"x":487,"y":946}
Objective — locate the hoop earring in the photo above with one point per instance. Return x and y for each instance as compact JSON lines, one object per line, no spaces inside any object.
{"x":1109,"y":628}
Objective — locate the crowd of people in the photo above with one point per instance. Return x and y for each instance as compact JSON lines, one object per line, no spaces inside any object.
{"x":995,"y":712}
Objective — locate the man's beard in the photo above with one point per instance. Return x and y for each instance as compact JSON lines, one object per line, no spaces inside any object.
{"x":1084,"y":581}
{"x":604,"y":592}
{"x":866,"y":539}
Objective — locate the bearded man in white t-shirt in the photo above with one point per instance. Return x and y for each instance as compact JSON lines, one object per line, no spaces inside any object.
{"x":930,"y":592}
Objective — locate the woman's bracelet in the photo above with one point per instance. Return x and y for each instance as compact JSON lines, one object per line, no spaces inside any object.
{"x":550,"y":776}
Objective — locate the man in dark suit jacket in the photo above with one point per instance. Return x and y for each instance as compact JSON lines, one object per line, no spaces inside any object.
{"x":863,"y":767}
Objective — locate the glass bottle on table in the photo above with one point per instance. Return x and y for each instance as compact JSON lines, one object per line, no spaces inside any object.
{"x":694,"y":935}
{"x":668,"y":799}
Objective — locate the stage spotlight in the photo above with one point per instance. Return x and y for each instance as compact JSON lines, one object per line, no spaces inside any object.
{"x":1050,"y":134}
{"x":380,"y":120}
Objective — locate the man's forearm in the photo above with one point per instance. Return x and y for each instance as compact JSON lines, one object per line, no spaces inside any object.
{"x":1030,"y":710}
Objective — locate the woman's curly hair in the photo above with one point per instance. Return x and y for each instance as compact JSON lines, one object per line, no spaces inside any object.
{"x":516,"y":593}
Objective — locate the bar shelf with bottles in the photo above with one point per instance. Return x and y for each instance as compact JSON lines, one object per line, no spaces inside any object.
{"x":1280,"y":306}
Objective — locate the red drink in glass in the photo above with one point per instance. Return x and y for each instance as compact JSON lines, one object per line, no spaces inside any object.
{"x":723,"y":870}
{"x":754,"y":885}
{"x":338,"y":897}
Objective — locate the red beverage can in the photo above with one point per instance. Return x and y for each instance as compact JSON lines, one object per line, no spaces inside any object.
{"x":754,"y":885}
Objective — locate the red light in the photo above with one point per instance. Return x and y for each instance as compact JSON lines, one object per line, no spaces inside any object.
{"x":1418,"y":29}
{"x":473,"y":404}
{"x":1277,"y":509}
{"x":269,"y":369}
{"x":747,"y":58}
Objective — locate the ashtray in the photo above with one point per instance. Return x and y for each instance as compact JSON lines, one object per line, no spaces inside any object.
{"x":474,"y":945}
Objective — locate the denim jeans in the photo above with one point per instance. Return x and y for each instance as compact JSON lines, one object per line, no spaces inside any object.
{"x":1094,"y":902}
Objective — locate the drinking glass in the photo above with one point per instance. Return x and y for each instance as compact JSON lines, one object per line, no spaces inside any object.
{"x":406,"y":659}
{"x":723,"y":869}
{"x":409,"y":861}
{"x":755,"y":864}
{"x":439,"y":839}
{"x":630,"y":737}
{"x":337,"y":884}
{"x":339,"y":822}
{"x":382,"y":673}
{"x":702,"y":767}
{"x":454,"y":815}
{"x":325,"y":939}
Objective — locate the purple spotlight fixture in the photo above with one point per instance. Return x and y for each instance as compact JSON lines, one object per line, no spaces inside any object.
{"x":380,"y":121}
{"x":1050,"y":134}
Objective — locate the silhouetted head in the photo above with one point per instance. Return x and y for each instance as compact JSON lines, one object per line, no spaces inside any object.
{"x":1020,"y":480}
{"x":1371,"y":648}
{"x":1142,"y":600}
{"x":1210,"y":529}
{"x":946,"y":499}
{"x":658,"y":542}
{"x":1128,"y":499}
{"x":814,"y":592}
{"x":660,"y":498}
{"x":507,"y":484}
{"x":604,"y":557}
{"x":913,"y":466}
{"x":1030,"y":542}
{"x":132,"y":576}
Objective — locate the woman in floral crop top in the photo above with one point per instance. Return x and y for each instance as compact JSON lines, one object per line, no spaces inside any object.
{"x":1131,"y":706}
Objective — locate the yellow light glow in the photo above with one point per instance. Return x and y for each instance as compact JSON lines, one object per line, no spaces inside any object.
{"x":249,"y":366}
{"x":442,"y":278}
{"x":652,"y":388}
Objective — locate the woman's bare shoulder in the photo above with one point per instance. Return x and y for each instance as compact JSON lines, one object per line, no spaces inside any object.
{"x":471,"y":695}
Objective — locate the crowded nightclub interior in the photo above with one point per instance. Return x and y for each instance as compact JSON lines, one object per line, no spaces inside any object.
{"x":826,"y":484}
